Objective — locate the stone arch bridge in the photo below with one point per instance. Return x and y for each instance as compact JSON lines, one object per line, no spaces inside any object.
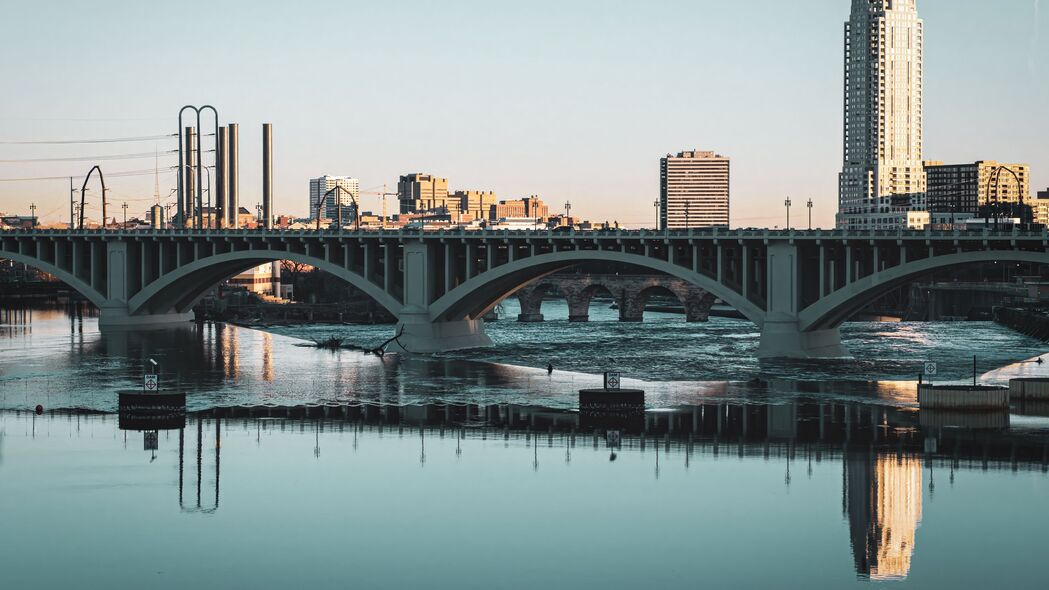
{"x":796,"y":286}
{"x":631,"y":293}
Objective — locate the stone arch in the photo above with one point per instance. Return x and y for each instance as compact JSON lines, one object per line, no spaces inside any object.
{"x":531,"y":299}
{"x":182,"y":288}
{"x":580,"y":297}
{"x":695,"y":301}
{"x":80,"y":286}
{"x":832,"y":310}
{"x":474,"y":298}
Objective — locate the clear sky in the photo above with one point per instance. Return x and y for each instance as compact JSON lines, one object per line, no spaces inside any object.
{"x":570,"y":100}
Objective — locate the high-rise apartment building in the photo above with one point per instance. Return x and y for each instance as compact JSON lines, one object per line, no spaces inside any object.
{"x":319,"y":187}
{"x":475,"y":203}
{"x":882,"y":175}
{"x":693,"y":190}
{"x":963,"y":188}
{"x":423,"y":192}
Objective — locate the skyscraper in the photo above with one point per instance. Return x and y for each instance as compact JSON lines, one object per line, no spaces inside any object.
{"x":320,"y":186}
{"x":882,"y":175}
{"x":693,"y":190}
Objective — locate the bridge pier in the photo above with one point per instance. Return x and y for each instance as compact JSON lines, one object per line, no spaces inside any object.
{"x":783,"y":339}
{"x":117,"y":318}
{"x":419,"y":335}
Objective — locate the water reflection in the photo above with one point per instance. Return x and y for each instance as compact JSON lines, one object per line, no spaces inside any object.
{"x":881,"y":452}
{"x":883,"y":498}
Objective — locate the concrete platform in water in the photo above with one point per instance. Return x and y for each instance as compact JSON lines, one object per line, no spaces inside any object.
{"x":1029,"y":388}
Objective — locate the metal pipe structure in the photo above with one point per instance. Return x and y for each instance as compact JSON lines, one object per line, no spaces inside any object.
{"x":191,"y":181}
{"x":200,"y":159}
{"x":267,"y":175}
{"x":187,"y":197}
{"x":221,"y":147}
{"x":233,"y":175}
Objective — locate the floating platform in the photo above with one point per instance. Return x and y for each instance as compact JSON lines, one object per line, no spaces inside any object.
{"x":1029,"y":388}
{"x":963,"y":397}
{"x":151,"y":411}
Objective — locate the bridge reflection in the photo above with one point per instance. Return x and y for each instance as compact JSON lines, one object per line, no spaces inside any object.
{"x":884,"y":453}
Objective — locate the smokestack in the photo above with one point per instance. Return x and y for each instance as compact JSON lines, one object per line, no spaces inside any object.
{"x":267,"y":175}
{"x":189,"y":171}
{"x":233,"y":180}
{"x":221,"y":146}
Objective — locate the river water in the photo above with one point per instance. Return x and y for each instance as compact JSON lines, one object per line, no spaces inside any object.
{"x":300,"y":467}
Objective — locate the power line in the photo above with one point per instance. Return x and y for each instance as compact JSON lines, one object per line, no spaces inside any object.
{"x":108,"y":175}
{"x":109,"y":157}
{"x":77,"y":141}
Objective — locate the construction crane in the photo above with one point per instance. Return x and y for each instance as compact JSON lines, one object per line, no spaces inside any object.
{"x":383,"y":194}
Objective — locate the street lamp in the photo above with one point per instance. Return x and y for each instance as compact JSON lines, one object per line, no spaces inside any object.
{"x":787,"y":203}
{"x":809,"y":205}
{"x":32,"y":208}
{"x":124,"y":207}
{"x":658,"y":216}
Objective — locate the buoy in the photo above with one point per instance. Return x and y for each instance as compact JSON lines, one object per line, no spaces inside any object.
{"x":39,"y":409}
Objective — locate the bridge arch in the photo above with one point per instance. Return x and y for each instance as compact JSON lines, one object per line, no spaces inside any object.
{"x":831,"y":311}
{"x":182,"y":288}
{"x":78,"y":285}
{"x":478,"y":295}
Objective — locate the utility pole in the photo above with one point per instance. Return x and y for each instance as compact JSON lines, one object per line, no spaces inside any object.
{"x":787,"y":203}
{"x":72,"y":216}
{"x":568,"y":210}
{"x":32,"y":208}
{"x":809,"y":205}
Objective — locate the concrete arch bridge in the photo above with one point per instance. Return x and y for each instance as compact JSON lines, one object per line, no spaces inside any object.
{"x":796,"y":286}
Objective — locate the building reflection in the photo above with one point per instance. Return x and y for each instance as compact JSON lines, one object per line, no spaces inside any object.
{"x":883,"y":496}
{"x":882,"y":451}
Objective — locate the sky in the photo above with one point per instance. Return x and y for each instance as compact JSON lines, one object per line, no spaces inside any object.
{"x":571,"y":100}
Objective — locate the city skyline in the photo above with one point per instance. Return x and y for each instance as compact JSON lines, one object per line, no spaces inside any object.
{"x":554,"y":124}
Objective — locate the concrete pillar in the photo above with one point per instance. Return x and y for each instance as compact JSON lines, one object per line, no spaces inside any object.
{"x":421,"y":334}
{"x":781,"y":336}
{"x":823,"y":271}
{"x":745,"y":261}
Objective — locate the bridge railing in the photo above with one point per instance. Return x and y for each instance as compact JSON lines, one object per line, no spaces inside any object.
{"x":699,"y":233}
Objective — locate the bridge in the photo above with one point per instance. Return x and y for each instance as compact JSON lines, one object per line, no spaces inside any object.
{"x":631,"y":293}
{"x":797,"y":287}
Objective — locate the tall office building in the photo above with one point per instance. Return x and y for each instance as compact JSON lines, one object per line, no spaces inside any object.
{"x":423,"y":192}
{"x":963,"y":188}
{"x":693,"y":190}
{"x":320,"y":186}
{"x":475,"y":203}
{"x":882,"y":176}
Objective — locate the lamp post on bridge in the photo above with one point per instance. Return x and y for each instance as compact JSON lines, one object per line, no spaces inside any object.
{"x":809,"y":205}
{"x":658,"y":216}
{"x":787,"y":204}
{"x":124,"y":207}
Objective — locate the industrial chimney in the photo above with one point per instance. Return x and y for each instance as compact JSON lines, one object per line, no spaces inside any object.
{"x":219,"y":200}
{"x":267,"y":175}
{"x":233,"y":172}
